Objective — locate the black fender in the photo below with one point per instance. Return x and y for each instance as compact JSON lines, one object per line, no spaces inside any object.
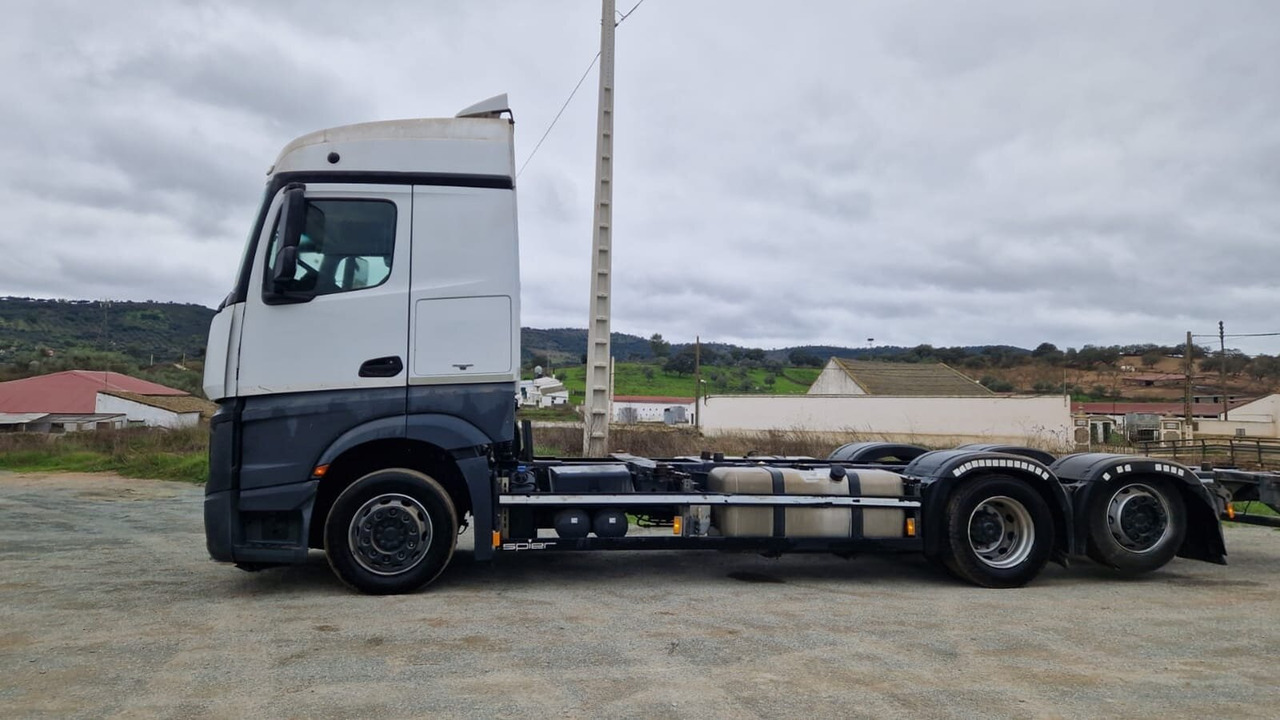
{"x":1089,"y":473}
{"x":941,"y":471}
{"x":465,"y":443}
{"x":875,"y":452}
{"x":1044,"y":457}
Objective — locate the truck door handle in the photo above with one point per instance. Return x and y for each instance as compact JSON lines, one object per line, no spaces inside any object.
{"x":381,"y":367}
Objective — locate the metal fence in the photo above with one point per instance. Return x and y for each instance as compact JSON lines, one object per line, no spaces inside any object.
{"x":1263,"y":452}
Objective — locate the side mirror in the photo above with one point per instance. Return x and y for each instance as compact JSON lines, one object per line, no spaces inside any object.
{"x":293,"y":216}
{"x":285,"y":268}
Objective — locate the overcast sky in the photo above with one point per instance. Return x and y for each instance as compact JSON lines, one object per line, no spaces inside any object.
{"x":786,"y":172}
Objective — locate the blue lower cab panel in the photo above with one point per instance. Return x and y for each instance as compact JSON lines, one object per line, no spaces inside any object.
{"x":218,"y":532}
{"x":262,"y":526}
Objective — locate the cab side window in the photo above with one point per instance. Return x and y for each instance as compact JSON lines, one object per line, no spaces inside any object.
{"x":346,"y":245}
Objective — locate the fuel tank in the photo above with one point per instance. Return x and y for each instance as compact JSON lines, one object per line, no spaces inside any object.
{"x":807,"y":522}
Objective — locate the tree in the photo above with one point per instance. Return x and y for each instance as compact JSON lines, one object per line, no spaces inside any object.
{"x":1151,"y":359}
{"x":659,"y":347}
{"x":995,"y":384}
{"x":802,"y":358}
{"x":1263,"y":367}
{"x":681,"y":363}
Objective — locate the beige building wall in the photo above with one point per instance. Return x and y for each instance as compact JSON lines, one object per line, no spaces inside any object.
{"x":1042,"y":421}
{"x":1260,"y":418}
{"x":833,"y":380}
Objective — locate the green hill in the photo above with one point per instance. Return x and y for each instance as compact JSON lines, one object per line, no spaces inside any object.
{"x":145,"y":339}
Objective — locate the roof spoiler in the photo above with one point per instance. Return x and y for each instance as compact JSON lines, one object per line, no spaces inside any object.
{"x":491,"y":108}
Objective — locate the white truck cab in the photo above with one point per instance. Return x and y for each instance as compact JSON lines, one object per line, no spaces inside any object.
{"x":376,"y":310}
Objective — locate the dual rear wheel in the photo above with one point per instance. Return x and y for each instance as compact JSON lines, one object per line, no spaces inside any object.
{"x":1000,"y":531}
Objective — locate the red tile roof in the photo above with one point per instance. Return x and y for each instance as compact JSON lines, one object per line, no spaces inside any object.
{"x":72,"y":391}
{"x":656,"y":400}
{"x":1158,"y":408}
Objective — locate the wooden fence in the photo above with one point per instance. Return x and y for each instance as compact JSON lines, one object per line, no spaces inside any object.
{"x":1233,"y":452}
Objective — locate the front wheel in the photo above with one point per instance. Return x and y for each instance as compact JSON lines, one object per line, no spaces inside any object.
{"x":392,"y":531}
{"x":999,"y":532}
{"x":1136,"y":526}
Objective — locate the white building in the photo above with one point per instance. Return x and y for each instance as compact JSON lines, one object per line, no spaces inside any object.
{"x":860,"y":377}
{"x":642,"y":408}
{"x":168,"y":411}
{"x":542,"y":392}
{"x":1259,"y":418}
{"x":1043,"y":421}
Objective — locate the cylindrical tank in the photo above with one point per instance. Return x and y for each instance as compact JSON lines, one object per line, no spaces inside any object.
{"x":610,"y":523}
{"x":572,"y":523}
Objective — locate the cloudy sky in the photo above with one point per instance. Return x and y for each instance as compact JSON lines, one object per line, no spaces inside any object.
{"x":786,"y":172}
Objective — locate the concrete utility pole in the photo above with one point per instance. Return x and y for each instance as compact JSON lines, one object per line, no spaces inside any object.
{"x":1187,"y":364}
{"x":697,"y":377}
{"x":1222,"y":368}
{"x":595,"y":426}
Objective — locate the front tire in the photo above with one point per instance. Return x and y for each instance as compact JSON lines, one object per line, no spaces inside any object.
{"x":999,"y":532}
{"x":390,"y":532}
{"x":1136,"y":526}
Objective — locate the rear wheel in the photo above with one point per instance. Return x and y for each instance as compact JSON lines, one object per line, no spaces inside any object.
{"x":999,"y":532}
{"x":1136,"y":526}
{"x":392,"y":531}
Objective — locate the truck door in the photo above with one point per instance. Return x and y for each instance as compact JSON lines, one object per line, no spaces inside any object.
{"x":341,"y":319}
{"x":466,"y":287}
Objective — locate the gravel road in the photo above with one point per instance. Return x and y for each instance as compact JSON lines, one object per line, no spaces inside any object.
{"x":109,"y":607}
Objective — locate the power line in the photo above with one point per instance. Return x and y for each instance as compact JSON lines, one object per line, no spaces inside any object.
{"x":557,"y":117}
{"x":569,"y":99}
{"x":627,"y":14}
{"x":1239,"y":335}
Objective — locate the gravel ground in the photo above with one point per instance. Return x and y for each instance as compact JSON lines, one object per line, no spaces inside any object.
{"x":110,"y":607}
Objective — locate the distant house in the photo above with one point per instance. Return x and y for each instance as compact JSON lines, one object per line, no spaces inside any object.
{"x":1152,"y":379}
{"x":169,"y":411}
{"x":60,"y":422}
{"x":644,"y":408}
{"x":542,"y":392}
{"x":1118,"y":410}
{"x":69,"y":402}
{"x":859,"y":377}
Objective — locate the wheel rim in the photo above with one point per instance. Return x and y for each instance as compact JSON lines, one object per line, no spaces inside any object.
{"x":1138,"y":518}
{"x":1001,"y":532}
{"x":390,"y":534}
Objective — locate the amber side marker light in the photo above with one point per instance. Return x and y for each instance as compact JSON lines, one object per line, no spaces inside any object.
{"x":497,"y":538}
{"x":319,"y":471}
{"x":911,"y":527}
{"x":677,"y":524}
{"x":1231,"y":512}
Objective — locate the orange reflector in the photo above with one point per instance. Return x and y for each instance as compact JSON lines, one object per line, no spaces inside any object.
{"x":319,"y":471}
{"x":1231,"y":511}
{"x":677,"y":525}
{"x":497,"y":538}
{"x":911,"y":527}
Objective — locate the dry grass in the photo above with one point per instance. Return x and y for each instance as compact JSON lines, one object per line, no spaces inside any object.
{"x":135,"y":452}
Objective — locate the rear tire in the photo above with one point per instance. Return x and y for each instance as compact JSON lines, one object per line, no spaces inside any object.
{"x":392,"y":531}
{"x":1136,"y":525}
{"x":999,"y":532}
